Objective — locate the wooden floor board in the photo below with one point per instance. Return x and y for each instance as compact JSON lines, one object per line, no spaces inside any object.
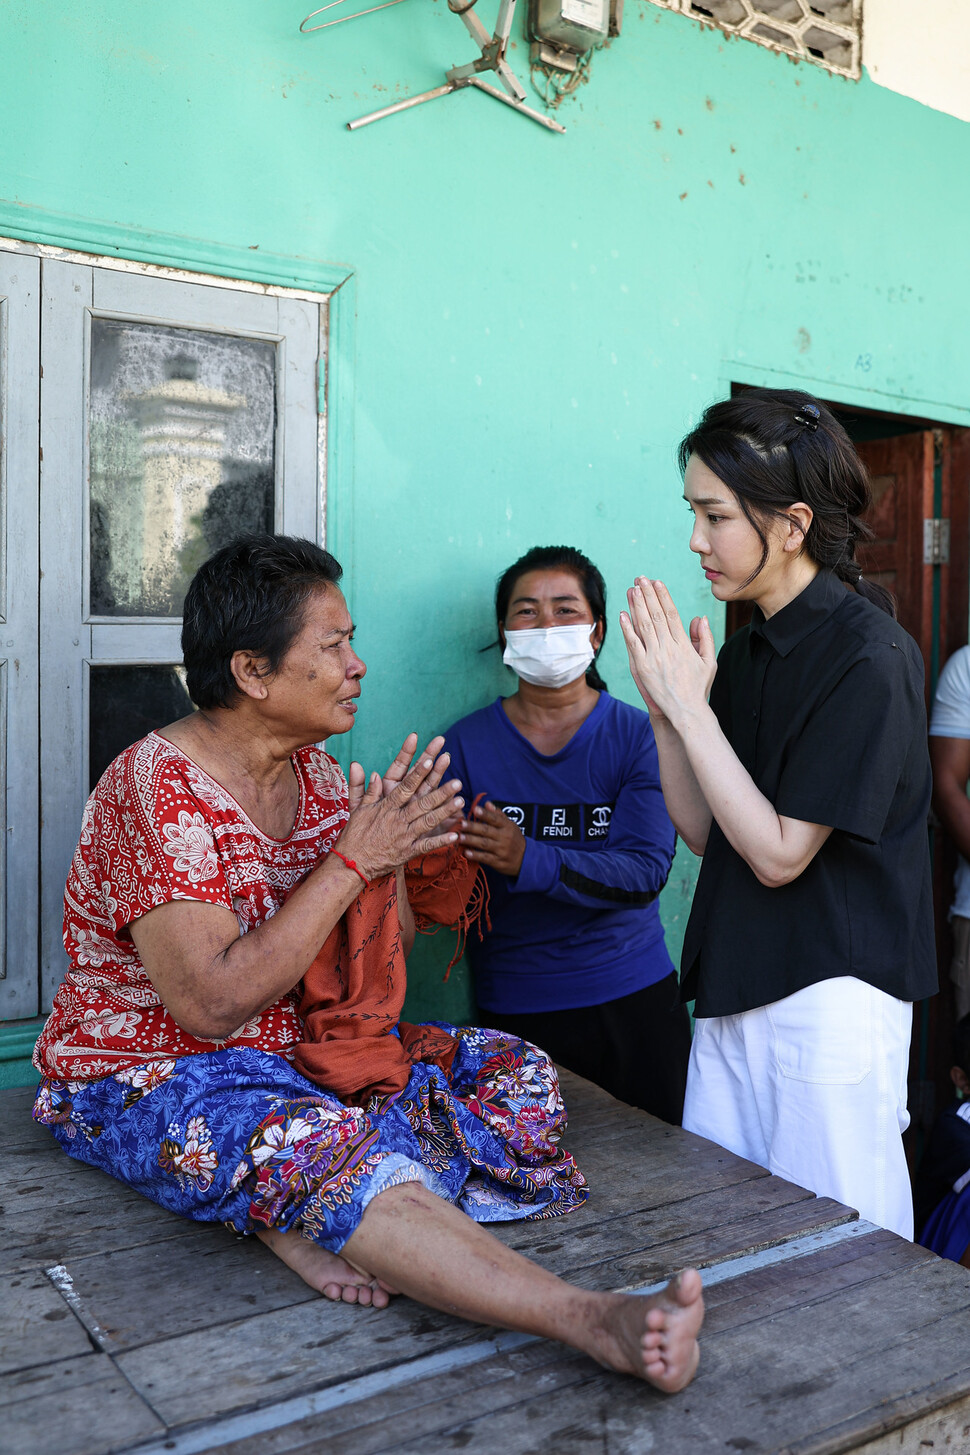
{"x":604,"y":1124}
{"x":574,"y":1408}
{"x":37,"y":1327}
{"x":586,"y":1237}
{"x":80,"y":1406}
{"x":770,"y":1347}
{"x":936,"y":1419}
{"x":715,"y":1245}
{"x":157,"y":1290}
{"x":859,"y":1345}
{"x":760,"y":1389}
{"x":21,"y":1133}
{"x":663,"y":1215}
{"x":487,"y":1392}
{"x":584,"y":1098}
{"x":547,"y":1394}
{"x":874,"y":1392}
{"x":805,"y":1280}
{"x":33,"y":1183}
{"x":632,"y":1170}
{"x":275,"y":1355}
{"x":432,"y":1411}
{"x":63,"y":1228}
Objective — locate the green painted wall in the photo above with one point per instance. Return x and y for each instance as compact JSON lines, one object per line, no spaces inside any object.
{"x":538,"y":317}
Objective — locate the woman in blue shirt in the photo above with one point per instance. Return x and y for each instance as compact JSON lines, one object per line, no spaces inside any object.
{"x":576,"y":844}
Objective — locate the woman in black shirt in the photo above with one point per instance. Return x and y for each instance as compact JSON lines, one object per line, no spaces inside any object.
{"x":805,"y":784}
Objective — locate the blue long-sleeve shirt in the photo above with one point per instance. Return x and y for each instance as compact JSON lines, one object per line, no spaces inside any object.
{"x":580,"y":923}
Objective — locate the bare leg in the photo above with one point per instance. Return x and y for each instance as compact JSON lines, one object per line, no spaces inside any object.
{"x":424,"y":1246}
{"x":328,"y":1273}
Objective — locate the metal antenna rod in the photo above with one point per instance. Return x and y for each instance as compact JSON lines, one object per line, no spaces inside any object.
{"x":325,"y":24}
{"x":492,"y":58}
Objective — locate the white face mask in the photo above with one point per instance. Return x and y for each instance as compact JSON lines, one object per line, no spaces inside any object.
{"x":551,"y":656}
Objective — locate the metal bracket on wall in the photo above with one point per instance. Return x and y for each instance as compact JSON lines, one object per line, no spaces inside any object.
{"x":492,"y":59}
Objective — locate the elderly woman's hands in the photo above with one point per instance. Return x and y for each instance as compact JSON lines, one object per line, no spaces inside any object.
{"x":406,"y":813}
{"x":673,"y":671}
{"x":356,"y":786}
{"x":357,"y":778}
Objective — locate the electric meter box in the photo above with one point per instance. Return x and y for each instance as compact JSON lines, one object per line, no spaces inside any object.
{"x":576,"y":25}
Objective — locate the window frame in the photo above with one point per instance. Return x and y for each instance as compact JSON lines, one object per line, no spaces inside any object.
{"x":291,"y":284}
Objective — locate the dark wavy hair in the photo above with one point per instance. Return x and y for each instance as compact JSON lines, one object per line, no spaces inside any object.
{"x":759,"y":447}
{"x":558,"y":558}
{"x":250,"y":596}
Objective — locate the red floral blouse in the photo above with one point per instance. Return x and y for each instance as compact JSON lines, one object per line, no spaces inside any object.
{"x":156,"y":829}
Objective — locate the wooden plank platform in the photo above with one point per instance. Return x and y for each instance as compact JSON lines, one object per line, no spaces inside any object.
{"x":127,"y":1329}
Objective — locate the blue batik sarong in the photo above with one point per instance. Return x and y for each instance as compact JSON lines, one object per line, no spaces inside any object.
{"x":238,"y":1136}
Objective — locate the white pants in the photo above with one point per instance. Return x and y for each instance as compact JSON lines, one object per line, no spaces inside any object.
{"x":813,"y":1087}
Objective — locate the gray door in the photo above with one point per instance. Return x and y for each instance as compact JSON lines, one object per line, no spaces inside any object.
{"x":19,"y":380}
{"x":173,"y":415}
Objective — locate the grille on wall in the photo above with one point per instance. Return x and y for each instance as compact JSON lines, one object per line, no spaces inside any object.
{"x":827,"y":33}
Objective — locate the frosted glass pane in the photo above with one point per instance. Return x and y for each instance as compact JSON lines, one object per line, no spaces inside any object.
{"x":182,"y":425}
{"x":128,"y":702}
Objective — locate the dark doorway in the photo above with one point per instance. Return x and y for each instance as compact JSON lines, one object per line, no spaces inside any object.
{"x":920,"y":473}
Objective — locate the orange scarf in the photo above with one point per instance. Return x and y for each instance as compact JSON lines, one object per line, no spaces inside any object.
{"x":353,"y":992}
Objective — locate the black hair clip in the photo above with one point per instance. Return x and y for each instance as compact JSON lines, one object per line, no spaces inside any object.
{"x":809,"y":415}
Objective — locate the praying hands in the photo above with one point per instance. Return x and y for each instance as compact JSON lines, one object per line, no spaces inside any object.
{"x":673,"y":670}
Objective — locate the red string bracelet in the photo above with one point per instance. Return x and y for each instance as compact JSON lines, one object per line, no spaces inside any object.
{"x":351,"y":865}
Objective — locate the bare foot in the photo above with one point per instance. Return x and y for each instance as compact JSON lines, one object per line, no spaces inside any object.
{"x":655,"y":1337}
{"x":327,"y":1272}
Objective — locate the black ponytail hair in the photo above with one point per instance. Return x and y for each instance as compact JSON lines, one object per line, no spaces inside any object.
{"x":559,"y":558}
{"x":773,"y":447}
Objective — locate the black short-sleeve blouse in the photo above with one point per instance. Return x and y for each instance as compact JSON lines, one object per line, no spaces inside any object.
{"x":823,"y":704}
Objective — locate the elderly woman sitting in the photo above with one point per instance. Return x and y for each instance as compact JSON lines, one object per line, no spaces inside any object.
{"x":226,"y":1040}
